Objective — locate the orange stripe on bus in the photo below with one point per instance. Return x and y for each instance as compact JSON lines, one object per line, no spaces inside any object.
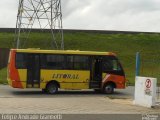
{"x":14,"y":75}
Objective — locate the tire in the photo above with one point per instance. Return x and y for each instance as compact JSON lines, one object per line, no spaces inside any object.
{"x":108,"y":89}
{"x":52,"y":88}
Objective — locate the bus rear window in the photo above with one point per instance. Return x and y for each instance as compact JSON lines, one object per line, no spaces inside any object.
{"x":21,"y":61}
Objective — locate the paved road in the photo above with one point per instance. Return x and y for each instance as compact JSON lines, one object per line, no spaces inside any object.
{"x":8,"y":92}
{"x":69,"y":102}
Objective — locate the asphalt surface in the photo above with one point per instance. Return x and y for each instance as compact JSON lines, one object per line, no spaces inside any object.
{"x":9,"y":92}
{"x":82,"y":105}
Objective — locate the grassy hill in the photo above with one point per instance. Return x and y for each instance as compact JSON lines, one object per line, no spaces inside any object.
{"x":3,"y":76}
{"x":125,"y":45}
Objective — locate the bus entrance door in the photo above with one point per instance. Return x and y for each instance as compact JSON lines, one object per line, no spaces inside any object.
{"x":33,"y":71}
{"x":96,"y":73}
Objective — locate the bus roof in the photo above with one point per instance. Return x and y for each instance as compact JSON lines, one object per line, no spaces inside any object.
{"x":74,"y":52}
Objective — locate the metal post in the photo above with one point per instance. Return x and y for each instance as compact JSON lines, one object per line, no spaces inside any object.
{"x":19,"y":21}
{"x":61,"y":29}
{"x":137,"y":64}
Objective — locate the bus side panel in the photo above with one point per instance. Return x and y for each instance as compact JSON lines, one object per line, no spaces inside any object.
{"x":82,"y":82}
{"x":13,"y":74}
{"x":117,"y":79}
{"x":68,"y":79}
{"x":23,"y":77}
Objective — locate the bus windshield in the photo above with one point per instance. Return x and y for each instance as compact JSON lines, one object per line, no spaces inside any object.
{"x":112,"y":65}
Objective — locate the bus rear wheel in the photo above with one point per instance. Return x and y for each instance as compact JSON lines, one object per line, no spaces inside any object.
{"x":108,"y":89}
{"x":52,"y":88}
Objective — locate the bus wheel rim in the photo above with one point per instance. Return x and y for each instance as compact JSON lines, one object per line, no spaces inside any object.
{"x":52,"y":89}
{"x":108,"y":89}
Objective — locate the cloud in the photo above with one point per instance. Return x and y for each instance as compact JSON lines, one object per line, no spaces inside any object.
{"x":72,"y":6}
{"x":8,"y":13}
{"x":132,"y":15}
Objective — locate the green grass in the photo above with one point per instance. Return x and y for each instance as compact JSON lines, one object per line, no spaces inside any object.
{"x":125,"y":45}
{"x":3,"y":76}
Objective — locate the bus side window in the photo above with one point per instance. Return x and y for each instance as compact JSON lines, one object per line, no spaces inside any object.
{"x":81,"y":62}
{"x":21,"y":62}
{"x":52,"y":62}
{"x":78,"y":62}
{"x":69,"y":63}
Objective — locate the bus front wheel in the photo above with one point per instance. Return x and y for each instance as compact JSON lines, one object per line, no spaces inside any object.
{"x":52,"y":88}
{"x":108,"y":89}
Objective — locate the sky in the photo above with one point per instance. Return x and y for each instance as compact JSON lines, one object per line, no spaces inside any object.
{"x":123,"y":15}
